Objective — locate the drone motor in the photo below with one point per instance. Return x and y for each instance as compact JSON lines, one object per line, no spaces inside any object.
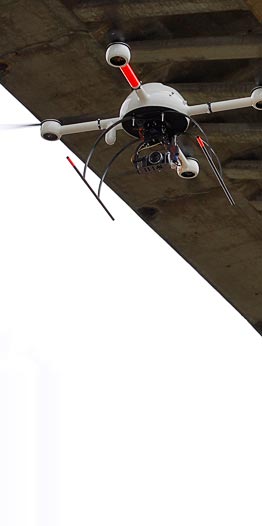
{"x":51,"y":130}
{"x":118,"y":54}
{"x":188,"y":170}
{"x":256,"y":97}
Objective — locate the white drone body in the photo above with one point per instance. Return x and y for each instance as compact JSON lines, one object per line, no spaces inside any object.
{"x":146,"y":103}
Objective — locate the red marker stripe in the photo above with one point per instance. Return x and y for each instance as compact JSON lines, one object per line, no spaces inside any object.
{"x":200,"y":142}
{"x":130,"y":76}
{"x":71,"y":162}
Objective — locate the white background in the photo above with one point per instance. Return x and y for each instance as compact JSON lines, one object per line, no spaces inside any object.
{"x":130,"y":390}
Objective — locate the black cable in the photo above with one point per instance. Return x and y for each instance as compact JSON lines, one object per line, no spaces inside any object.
{"x":134,"y":159}
{"x":218,"y":173}
{"x":111,"y":162}
{"x":192,"y":120}
{"x":215,"y":155}
{"x":207,"y":143}
{"x":99,"y":138}
{"x":89,"y":187}
{"x":200,"y":128}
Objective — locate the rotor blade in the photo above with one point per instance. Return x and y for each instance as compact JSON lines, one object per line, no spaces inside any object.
{"x":17,"y":126}
{"x":113,"y":24}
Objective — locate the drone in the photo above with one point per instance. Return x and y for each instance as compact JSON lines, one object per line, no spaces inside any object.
{"x":153,"y":115}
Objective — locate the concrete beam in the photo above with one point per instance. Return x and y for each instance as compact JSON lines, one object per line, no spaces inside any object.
{"x":198,"y":92}
{"x":257,"y":205}
{"x":244,"y":170}
{"x":135,"y":9}
{"x":191,"y":49}
{"x":242,"y":133}
{"x":256,"y":7}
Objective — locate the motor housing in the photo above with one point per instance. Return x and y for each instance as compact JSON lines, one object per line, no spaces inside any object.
{"x":118,"y":54}
{"x":51,"y":130}
{"x":256,"y":97}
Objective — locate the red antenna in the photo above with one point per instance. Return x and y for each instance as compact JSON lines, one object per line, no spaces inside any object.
{"x":130,"y":76}
{"x":200,"y":142}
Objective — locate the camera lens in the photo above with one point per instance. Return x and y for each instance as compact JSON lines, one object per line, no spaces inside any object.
{"x":155,"y":157}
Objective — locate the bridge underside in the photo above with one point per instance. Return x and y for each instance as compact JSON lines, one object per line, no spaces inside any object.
{"x":52,"y":60}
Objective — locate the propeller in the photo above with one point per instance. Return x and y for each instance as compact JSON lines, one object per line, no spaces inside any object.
{"x":113,"y":23}
{"x":114,"y":34}
{"x":4,"y":127}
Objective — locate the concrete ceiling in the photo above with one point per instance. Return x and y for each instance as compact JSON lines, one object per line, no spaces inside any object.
{"x":52,"y":60}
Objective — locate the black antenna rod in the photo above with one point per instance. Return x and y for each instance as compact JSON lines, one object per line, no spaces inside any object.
{"x":89,"y":187}
{"x":215,"y":170}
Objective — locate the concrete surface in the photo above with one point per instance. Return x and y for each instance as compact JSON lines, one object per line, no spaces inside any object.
{"x":52,"y":60}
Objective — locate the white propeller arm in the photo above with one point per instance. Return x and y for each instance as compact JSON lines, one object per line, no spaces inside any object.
{"x":102,"y":124}
{"x":53,"y":130}
{"x":255,"y":100}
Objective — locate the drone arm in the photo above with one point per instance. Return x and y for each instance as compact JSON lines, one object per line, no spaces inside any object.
{"x":223,"y":105}
{"x":255,"y":100}
{"x":67,"y":129}
{"x":52,"y":130}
